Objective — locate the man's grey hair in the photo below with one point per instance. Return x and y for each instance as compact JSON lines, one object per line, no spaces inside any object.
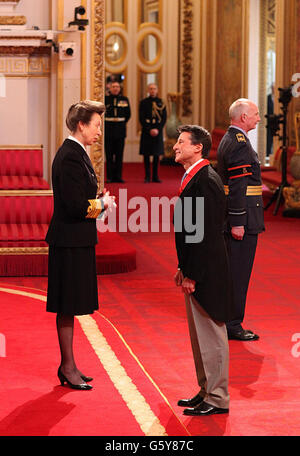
{"x":238,"y":108}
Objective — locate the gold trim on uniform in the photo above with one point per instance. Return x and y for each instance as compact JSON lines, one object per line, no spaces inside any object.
{"x":115,"y":119}
{"x":252,"y":190}
{"x":94,"y":208}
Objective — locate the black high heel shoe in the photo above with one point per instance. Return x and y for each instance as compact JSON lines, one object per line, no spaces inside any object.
{"x":63,"y":380}
{"x":86,"y":379}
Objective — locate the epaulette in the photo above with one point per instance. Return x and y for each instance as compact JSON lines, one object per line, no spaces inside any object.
{"x":240,"y":137}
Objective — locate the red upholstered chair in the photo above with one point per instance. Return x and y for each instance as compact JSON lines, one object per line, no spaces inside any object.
{"x":25,"y":215}
{"x":22,"y":168}
{"x":216,"y":136}
{"x":24,"y":219}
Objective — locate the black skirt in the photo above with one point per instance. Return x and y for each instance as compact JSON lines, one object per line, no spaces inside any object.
{"x":72,"y":280}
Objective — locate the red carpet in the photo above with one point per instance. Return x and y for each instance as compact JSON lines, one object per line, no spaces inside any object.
{"x":33,"y":402}
{"x":114,"y":254}
{"x":148,"y":311}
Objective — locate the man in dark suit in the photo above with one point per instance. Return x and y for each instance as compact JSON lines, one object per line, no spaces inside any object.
{"x":239,"y":168}
{"x":153,"y":116}
{"x":116,"y":117}
{"x":203,"y":270}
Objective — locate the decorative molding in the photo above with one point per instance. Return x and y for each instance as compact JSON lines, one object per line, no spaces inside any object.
{"x":297,"y":131}
{"x":156,"y":3}
{"x":21,"y":146}
{"x":25,"y":50}
{"x":292,"y":62}
{"x":13,"y":20}
{"x":11,"y":36}
{"x":231,"y":59}
{"x":24,"y":66}
{"x":97,"y":73}
{"x":122,"y":34}
{"x":271,"y":28}
{"x":262,"y":93}
{"x":24,"y":250}
{"x":59,"y":77}
{"x":26,"y":193}
{"x":210,"y":35}
{"x":142,"y":60}
{"x":8,"y":6}
{"x":21,"y":37}
{"x":187,"y":57}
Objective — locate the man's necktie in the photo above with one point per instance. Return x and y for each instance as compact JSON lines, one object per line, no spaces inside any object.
{"x":183,"y":177}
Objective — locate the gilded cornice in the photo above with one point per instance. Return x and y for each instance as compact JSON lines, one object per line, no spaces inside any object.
{"x":25,"y":50}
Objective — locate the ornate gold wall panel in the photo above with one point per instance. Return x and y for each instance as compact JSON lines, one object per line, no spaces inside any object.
{"x":145,"y":8}
{"x":231,"y":56}
{"x":187,"y":57}
{"x":291,"y":58}
{"x":97,"y":76}
{"x":59,"y":78}
{"x":262,"y":90}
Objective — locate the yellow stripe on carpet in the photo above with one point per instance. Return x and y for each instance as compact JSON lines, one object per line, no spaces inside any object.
{"x":24,"y":293}
{"x":136,"y":403}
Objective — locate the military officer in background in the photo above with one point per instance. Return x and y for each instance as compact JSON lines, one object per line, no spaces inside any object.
{"x":239,"y":168}
{"x":152,"y":116}
{"x":116,"y":117}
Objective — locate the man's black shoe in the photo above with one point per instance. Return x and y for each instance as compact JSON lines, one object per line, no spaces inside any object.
{"x":120,"y":181}
{"x":156,"y":179}
{"x":204,"y":409}
{"x":244,"y":335}
{"x":147,"y":179}
{"x":196,"y":400}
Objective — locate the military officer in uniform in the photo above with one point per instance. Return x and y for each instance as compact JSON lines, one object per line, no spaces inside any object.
{"x":116,"y":117}
{"x":153,"y":116}
{"x":239,"y":168}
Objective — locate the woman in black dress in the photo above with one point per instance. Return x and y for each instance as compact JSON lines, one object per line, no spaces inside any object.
{"x":72,"y":234}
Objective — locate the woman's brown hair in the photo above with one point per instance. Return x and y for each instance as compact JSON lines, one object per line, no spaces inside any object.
{"x":83,"y":112}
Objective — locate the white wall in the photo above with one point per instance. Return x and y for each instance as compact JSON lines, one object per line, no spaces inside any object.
{"x":38,"y":116}
{"x":36,"y":13}
{"x":13,"y":125}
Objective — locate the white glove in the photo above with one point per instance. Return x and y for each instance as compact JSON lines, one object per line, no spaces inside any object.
{"x":109,"y":200}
